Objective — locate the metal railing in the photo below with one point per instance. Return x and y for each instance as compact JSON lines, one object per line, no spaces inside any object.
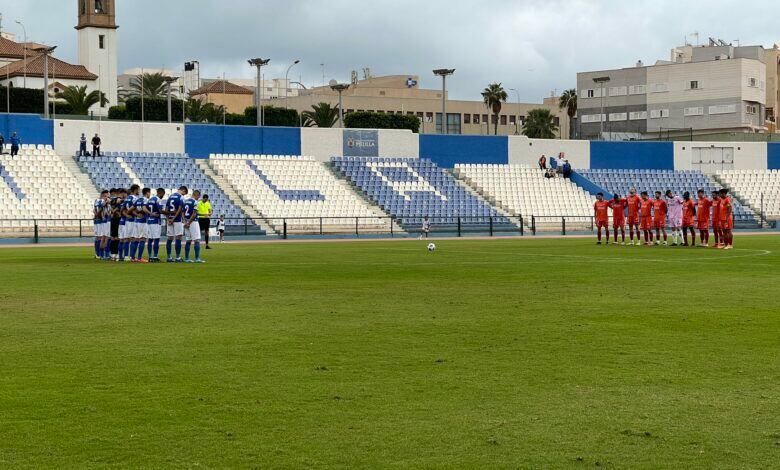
{"x":345,"y":227}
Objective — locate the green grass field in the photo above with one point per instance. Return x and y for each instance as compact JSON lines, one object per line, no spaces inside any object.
{"x":495,"y":353}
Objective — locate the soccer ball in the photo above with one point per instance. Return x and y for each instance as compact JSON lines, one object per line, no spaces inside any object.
{"x":431,"y":247}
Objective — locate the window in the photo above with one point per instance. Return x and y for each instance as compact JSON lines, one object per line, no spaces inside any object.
{"x":659,"y":88}
{"x":420,"y":114}
{"x":476,"y":119}
{"x":382,"y":93}
{"x":453,"y":123}
{"x":590,"y":94}
{"x":102,"y":41}
{"x":751,"y":109}
{"x":99,"y":7}
{"x":693,"y":85}
{"x":613,"y":117}
{"x":637,"y":89}
{"x":696,"y":111}
{"x":428,"y":117}
{"x":467,"y":118}
{"x":753,"y":82}
{"x":484,"y":118}
{"x":618,"y":91}
{"x":659,"y":113}
{"x":723,"y":109}
{"x":593,"y":118}
{"x":493,"y":119}
{"x":513,"y":120}
{"x":503,"y":120}
{"x":637,"y":115}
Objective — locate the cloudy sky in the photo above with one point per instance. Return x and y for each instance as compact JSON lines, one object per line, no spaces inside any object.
{"x":534,"y":46}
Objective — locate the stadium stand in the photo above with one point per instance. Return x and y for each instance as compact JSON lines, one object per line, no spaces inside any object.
{"x":524,"y":191}
{"x":37,"y":185}
{"x":410,"y":189}
{"x":299,"y":191}
{"x":620,"y":181}
{"x":760,"y":189}
{"x":159,"y":170}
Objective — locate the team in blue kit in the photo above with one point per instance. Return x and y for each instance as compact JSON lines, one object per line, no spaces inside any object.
{"x":128,"y":222}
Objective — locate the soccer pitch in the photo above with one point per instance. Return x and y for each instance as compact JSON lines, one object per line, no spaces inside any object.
{"x":539,"y":353}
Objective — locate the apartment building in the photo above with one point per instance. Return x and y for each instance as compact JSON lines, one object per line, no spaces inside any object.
{"x":701,"y":90}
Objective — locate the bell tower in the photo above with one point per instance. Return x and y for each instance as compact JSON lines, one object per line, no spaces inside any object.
{"x":97,"y":38}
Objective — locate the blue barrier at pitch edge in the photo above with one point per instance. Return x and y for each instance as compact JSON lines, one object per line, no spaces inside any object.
{"x":632,"y":155}
{"x":201,"y":140}
{"x":32,"y":129}
{"x":773,"y":156}
{"x":447,"y":150}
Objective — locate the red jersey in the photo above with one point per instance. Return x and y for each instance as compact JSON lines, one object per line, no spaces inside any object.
{"x":725,"y":209}
{"x":646,"y":208}
{"x":688,"y":210}
{"x":703,"y":210}
{"x":618,"y":208}
{"x":659,"y":206}
{"x":715,"y":212}
{"x":634,"y":203}
{"x":601,"y":209}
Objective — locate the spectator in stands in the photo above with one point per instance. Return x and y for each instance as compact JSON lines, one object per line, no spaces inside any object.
{"x":550,"y":173}
{"x":566,"y":169}
{"x":203,"y":207}
{"x":2,"y":144}
{"x":96,"y":146}
{"x":543,"y":163}
{"x":83,"y":145}
{"x":221,"y":228}
{"x":16,"y":141}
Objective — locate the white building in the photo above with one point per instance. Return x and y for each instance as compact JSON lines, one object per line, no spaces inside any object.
{"x":97,"y":46}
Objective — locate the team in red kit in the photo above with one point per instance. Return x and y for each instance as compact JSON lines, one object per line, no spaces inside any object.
{"x":648,"y":219}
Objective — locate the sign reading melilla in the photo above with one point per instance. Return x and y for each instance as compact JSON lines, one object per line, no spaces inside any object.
{"x":359,"y":143}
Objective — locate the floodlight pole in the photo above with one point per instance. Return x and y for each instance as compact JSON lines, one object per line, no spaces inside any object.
{"x":601,"y":81}
{"x":259,"y":63}
{"x":169,"y":81}
{"x":45,"y":51}
{"x":443,"y":73}
{"x":340,"y":88}
{"x":25,"y":52}
{"x":286,"y":80}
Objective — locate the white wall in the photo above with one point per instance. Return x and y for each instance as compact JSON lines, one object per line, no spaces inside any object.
{"x":747,"y":155}
{"x":322,"y":144}
{"x":398,"y":143}
{"x":525,"y":151}
{"x":119,"y":136}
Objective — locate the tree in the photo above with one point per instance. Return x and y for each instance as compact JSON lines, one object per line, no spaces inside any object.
{"x":568,"y":100}
{"x":79,"y":100}
{"x":494,"y":95}
{"x":197,"y":111}
{"x":321,"y":115}
{"x":151,"y":85}
{"x":540,"y":124}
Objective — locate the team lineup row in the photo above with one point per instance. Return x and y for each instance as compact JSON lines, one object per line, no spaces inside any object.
{"x":651,"y":217}
{"x":129,"y":221}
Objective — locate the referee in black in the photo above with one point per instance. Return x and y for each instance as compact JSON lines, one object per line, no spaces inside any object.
{"x":203,"y":208}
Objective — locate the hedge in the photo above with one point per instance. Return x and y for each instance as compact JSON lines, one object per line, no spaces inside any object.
{"x":117,"y":112}
{"x":23,"y":100}
{"x":368,"y":120}
{"x":274,"y":117}
{"x":155,"y":109}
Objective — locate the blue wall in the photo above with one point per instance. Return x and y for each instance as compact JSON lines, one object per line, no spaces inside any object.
{"x":200,"y":140}
{"x":447,"y":150}
{"x":587,"y":184}
{"x":30,"y":127}
{"x":773,"y":156}
{"x":632,"y":155}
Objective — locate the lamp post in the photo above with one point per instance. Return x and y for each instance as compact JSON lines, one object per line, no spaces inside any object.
{"x":259,"y":63}
{"x":443,"y":73}
{"x":46,"y":51}
{"x":169,"y":81}
{"x":601,"y":81}
{"x":286,"y":80}
{"x":25,"y":51}
{"x":517,"y":118}
{"x":340,"y":88}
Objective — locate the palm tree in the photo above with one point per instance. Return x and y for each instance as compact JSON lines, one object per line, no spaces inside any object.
{"x":493,"y":96}
{"x":199,"y":112}
{"x":540,"y":124}
{"x":79,"y":100}
{"x":321,"y":115}
{"x":568,"y":100}
{"x":151,"y":85}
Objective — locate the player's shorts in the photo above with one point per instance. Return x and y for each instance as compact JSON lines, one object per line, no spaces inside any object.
{"x":122,"y":233}
{"x":687,"y":223}
{"x":619,"y":222}
{"x":659,"y":223}
{"x":193,"y":232}
{"x":633,"y":220}
{"x":727,"y":224}
{"x":602,"y":223}
{"x":114,"y":231}
{"x":703,"y":224}
{"x":131,"y":230}
{"x":715,"y":224}
{"x":141,"y":230}
{"x":100,"y":229}
{"x":674,"y":222}
{"x":175,"y":230}
{"x":646,"y":223}
{"x":154,"y":231}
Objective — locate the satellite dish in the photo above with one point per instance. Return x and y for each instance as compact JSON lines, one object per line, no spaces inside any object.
{"x":332,"y":82}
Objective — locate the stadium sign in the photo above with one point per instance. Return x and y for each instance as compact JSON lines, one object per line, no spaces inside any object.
{"x":358,"y":143}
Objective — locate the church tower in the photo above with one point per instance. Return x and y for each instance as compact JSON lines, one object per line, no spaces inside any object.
{"x":97,"y":46}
